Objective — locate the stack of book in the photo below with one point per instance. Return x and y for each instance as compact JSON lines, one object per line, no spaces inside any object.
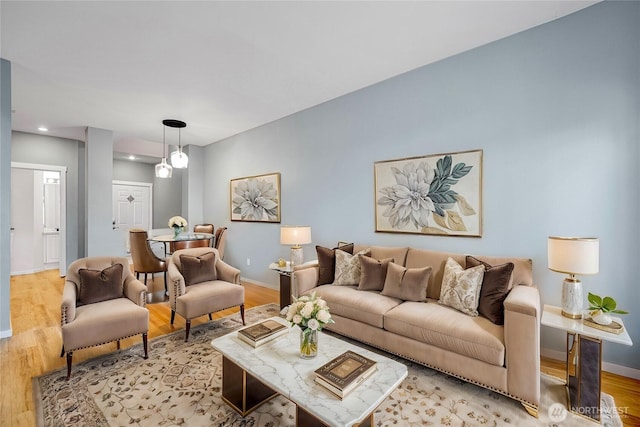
{"x":262,"y":332}
{"x":344,"y":373}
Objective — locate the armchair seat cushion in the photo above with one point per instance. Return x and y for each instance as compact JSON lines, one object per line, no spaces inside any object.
{"x":208,"y":297}
{"x":103,"y":322}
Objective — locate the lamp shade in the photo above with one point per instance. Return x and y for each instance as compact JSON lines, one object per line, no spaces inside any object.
{"x":163,"y":169}
{"x":295,"y":235}
{"x":573,"y":255}
{"x":179,"y":159}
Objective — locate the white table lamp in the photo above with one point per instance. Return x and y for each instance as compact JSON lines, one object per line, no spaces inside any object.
{"x":295,"y":236}
{"x":573,"y":255}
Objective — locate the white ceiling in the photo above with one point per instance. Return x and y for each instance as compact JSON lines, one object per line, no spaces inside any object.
{"x":225,"y":67}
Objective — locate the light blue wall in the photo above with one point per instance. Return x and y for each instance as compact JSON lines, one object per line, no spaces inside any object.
{"x":5,"y":202}
{"x":556,"y":111}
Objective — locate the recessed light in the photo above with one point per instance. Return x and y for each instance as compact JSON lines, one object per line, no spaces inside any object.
{"x":43,"y":129}
{"x":132,"y":157}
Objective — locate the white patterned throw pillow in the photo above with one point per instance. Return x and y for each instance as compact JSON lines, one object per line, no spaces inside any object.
{"x":348,"y":268}
{"x":461,"y":288}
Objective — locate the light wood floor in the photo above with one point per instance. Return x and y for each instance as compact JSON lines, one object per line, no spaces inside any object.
{"x":34,"y":348}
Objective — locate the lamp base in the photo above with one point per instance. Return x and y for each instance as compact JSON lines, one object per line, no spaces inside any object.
{"x":572,"y":298}
{"x":297,"y":255}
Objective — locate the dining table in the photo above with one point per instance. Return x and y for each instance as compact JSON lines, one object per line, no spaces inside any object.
{"x":182,"y":237}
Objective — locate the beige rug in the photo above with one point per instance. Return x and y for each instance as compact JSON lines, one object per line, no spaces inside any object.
{"x":179,"y":385}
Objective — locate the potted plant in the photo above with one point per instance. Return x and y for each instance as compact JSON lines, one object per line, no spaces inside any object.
{"x":601,"y":307}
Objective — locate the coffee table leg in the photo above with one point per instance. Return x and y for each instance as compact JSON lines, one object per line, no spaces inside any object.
{"x":241,"y":391}
{"x":305,"y":419}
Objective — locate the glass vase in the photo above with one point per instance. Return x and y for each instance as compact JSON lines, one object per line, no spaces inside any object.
{"x":308,"y":344}
{"x":176,"y":231}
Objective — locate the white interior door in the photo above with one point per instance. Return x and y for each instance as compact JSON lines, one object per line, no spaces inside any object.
{"x":22,"y":218}
{"x":131,"y":209}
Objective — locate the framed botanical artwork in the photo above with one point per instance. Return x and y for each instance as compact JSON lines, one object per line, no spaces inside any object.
{"x":439,"y":194}
{"x":256,"y":198}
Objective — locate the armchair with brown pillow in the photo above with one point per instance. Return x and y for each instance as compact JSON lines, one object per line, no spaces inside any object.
{"x":201,"y":283}
{"x":101,"y":302}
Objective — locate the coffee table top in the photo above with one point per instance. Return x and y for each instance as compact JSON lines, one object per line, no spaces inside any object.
{"x":278,"y":365}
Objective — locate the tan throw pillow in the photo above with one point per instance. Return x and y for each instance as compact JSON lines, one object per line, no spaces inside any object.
{"x":198,"y":269}
{"x":100,"y":285}
{"x":327,"y":262}
{"x":461,"y":288}
{"x":348,"y":267}
{"x":373,"y":273}
{"x":408,"y":284}
{"x":495,"y":287}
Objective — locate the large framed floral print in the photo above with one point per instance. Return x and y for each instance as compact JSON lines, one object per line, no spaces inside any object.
{"x":438,"y":194}
{"x":256,"y":198}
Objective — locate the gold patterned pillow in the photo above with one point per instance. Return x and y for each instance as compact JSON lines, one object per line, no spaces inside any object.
{"x":461,"y":288}
{"x":348,"y":267}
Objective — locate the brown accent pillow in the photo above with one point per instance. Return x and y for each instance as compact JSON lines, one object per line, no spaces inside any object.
{"x":198,"y":269}
{"x":495,"y":287}
{"x":100,"y":285}
{"x":408,"y":284}
{"x":373,"y":273}
{"x":327,"y":262}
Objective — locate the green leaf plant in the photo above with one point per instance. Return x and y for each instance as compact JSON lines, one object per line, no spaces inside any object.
{"x":606,"y":304}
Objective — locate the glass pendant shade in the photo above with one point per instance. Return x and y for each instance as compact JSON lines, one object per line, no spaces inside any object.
{"x":163,"y":169}
{"x":179,"y":159}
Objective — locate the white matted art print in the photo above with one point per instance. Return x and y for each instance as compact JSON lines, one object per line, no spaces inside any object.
{"x":255,"y":198}
{"x":438,"y":194}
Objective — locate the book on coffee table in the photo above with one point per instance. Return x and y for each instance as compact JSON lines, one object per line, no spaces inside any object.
{"x":345,"y":372}
{"x":262,"y":332}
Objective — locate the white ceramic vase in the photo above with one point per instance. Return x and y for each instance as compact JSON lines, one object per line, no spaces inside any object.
{"x":600,"y":317}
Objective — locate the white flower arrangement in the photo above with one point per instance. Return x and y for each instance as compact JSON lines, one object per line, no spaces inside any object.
{"x":309,"y":312}
{"x":177,"y":221}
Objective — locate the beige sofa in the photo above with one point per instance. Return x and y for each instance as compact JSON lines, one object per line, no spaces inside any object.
{"x":505,"y":359}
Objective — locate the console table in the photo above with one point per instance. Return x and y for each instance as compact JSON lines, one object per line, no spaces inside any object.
{"x":584,"y":359}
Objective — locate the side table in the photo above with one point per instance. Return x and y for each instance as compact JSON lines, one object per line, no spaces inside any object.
{"x":285,"y":283}
{"x":584,"y":359}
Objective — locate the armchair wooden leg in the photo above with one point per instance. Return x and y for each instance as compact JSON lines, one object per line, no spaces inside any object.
{"x":62,"y":352}
{"x":173,"y":316}
{"x":242,"y":312}
{"x":166,"y":289}
{"x":210,"y":318}
{"x":69,"y":359}
{"x":186,"y":338}
{"x":145,"y":344}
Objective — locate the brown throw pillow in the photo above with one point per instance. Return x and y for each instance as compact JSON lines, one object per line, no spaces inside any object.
{"x":373,"y":273}
{"x":327,"y":262}
{"x":198,"y":269}
{"x":100,"y":285}
{"x":495,"y":287}
{"x":408,"y":284}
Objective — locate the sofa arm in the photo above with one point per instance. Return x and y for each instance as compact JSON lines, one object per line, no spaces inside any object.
{"x":305,"y":278}
{"x":135,"y":290}
{"x":68,"y":306}
{"x":227,"y":273}
{"x":522,"y":342}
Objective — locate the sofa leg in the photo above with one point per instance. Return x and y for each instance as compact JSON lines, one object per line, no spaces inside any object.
{"x":118,"y":344}
{"x":210,"y":318}
{"x":69,"y":359}
{"x":62,"y":352}
{"x":145,"y":345}
{"x":186,"y":337}
{"x":242,"y":312}
{"x":173,"y":316}
{"x":531,"y":409}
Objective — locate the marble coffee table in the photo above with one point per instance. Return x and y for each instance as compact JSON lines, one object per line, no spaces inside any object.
{"x":251,"y":376}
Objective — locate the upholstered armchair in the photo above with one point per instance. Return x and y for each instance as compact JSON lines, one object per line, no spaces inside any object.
{"x":144,"y":260}
{"x":201,"y":283}
{"x":101,"y":302}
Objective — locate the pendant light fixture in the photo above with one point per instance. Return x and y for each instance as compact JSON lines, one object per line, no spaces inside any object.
{"x":163,"y":169}
{"x":179,"y":159}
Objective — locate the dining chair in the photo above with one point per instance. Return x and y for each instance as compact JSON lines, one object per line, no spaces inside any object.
{"x":203,"y":228}
{"x":144,"y":260}
{"x":186,"y":244}
{"x":220,"y":240}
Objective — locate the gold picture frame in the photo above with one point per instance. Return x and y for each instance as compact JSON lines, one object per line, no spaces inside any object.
{"x":255,"y":198}
{"x":438,"y":194}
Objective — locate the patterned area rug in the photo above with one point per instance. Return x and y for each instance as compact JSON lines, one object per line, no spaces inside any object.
{"x":179,"y":385}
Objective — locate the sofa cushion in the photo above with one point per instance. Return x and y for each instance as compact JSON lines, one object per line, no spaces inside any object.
{"x":461,"y":288}
{"x":407,"y":284}
{"x":348,"y":267}
{"x":437,"y":260}
{"x":327,"y":262}
{"x":448,"y":329}
{"x":373,"y":273}
{"x":495,"y":287}
{"x":100,"y":285}
{"x":198,"y":269}
{"x":364,"y":306}
{"x":399,"y":254}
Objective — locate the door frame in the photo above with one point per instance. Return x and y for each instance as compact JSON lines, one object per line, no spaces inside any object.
{"x":62,"y":263}
{"x":149,"y":185}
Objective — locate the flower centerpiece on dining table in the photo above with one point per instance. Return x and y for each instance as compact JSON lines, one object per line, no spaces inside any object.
{"x":178,"y":224}
{"x":310,"y":313}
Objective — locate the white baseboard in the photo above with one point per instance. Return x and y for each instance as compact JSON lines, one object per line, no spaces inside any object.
{"x":6,"y":333}
{"x":606,"y":366}
{"x":257,"y":282}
